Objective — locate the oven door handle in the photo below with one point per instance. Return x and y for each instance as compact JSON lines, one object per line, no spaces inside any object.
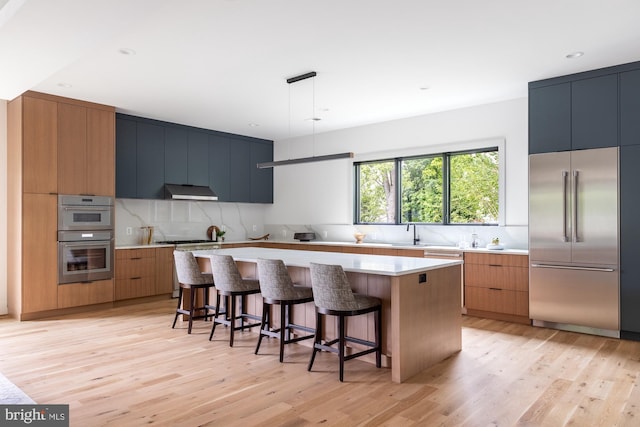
{"x":85,"y":243}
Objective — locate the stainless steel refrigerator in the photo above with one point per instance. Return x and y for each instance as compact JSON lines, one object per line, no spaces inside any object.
{"x":573,"y":241}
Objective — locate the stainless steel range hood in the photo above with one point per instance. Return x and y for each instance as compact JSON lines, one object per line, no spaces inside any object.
{"x":189,"y":192}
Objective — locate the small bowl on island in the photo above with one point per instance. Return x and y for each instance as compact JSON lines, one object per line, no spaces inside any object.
{"x":359,"y":237}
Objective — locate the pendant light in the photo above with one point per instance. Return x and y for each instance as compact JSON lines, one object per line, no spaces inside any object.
{"x":313,"y":158}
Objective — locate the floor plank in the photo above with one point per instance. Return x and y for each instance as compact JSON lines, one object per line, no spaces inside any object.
{"x":126,"y":367}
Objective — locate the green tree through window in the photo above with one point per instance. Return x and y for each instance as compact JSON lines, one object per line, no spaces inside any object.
{"x":448,"y":188}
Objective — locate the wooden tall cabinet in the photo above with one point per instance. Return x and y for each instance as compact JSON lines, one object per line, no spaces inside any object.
{"x":55,"y":146}
{"x":86,"y":150}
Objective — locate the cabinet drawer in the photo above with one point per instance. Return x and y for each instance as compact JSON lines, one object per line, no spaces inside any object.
{"x":497,"y":300}
{"x":135,"y":267}
{"x":124,"y":254}
{"x":134,"y":287}
{"x":496,"y":259}
{"x":497,"y":276}
{"x":78,"y":294}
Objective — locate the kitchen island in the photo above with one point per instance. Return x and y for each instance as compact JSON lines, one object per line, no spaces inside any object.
{"x":421,"y":300}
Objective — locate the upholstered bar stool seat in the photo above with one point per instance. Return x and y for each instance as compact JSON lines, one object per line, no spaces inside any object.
{"x":231,"y":285}
{"x":332,"y":295}
{"x":190,"y":277}
{"x":277,"y":288}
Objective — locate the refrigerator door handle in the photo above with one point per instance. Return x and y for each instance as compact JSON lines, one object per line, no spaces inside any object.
{"x":567,"y":267}
{"x":576,"y":238}
{"x":565,"y":175}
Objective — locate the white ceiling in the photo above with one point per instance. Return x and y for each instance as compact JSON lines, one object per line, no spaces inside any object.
{"x":222,"y":64}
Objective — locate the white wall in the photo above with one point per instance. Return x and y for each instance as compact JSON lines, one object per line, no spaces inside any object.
{"x":3,"y":206}
{"x":322,"y":193}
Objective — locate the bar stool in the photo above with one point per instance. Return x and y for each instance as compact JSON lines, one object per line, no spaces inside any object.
{"x":332,"y":295}
{"x":277,"y":287}
{"x":190,"y":277}
{"x":231,"y":285}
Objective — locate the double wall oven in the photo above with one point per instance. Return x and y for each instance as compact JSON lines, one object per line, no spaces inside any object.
{"x":85,"y":238}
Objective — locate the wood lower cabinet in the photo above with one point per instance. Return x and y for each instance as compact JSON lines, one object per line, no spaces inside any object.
{"x":164,"y":270}
{"x":135,"y":273}
{"x":143,"y":272}
{"x":497,"y":286}
{"x":79,"y":294}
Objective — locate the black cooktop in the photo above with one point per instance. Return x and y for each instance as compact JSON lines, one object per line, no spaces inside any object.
{"x":183,"y":242}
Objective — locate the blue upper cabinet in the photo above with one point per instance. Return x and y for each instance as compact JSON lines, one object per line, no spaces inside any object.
{"x":126,"y":158}
{"x":219,"y":170}
{"x":594,"y":112}
{"x":630,"y":108}
{"x":261,"y":179}
{"x":198,"y":158}
{"x":150,"y":161}
{"x":150,"y":153}
{"x":578,"y":111}
{"x":176,"y":158}
{"x":550,"y":118}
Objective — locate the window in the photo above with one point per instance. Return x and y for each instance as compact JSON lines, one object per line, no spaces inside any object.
{"x":447,"y":188}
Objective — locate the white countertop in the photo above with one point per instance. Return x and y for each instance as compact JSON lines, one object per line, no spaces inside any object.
{"x":391,"y":246}
{"x":372,"y":264}
{"x":425,"y":248}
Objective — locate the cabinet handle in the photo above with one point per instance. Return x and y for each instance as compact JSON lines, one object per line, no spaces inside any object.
{"x":136,"y":278}
{"x":495,"y":289}
{"x":136,"y":258}
{"x":442,"y":254}
{"x":495,"y":265}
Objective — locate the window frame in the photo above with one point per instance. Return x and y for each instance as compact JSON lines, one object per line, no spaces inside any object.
{"x":494,"y":146}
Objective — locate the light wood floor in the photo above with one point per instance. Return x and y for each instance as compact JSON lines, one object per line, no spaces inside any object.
{"x":127,"y":367}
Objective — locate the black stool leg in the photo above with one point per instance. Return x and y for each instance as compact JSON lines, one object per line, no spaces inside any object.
{"x":192,"y":298}
{"x":341,"y":343}
{"x":378,"y":326}
{"x":233,"y":319}
{"x":264,"y":324}
{"x":283,"y":327}
{"x":175,"y":319}
{"x":215,"y":316}
{"x":316,"y":340}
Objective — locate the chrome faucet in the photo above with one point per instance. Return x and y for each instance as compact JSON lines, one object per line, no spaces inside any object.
{"x":416,"y":239}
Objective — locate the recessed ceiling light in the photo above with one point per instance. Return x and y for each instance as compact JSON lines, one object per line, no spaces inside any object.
{"x":572,"y":55}
{"x":64,"y":85}
{"x":126,"y":51}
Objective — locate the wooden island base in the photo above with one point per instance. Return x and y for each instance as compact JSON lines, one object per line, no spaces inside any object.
{"x":422,"y":320}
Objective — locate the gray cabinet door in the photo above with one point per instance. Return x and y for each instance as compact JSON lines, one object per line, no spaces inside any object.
{"x":239,"y":170}
{"x":629,"y":238}
{"x":594,"y":112}
{"x":261,"y":179}
{"x":150,"y":161}
{"x":198,"y":158}
{"x":219,"y":166}
{"x":126,"y":156}
{"x":175,"y":155}
{"x":550,"y":118}
{"x":630,"y":108}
